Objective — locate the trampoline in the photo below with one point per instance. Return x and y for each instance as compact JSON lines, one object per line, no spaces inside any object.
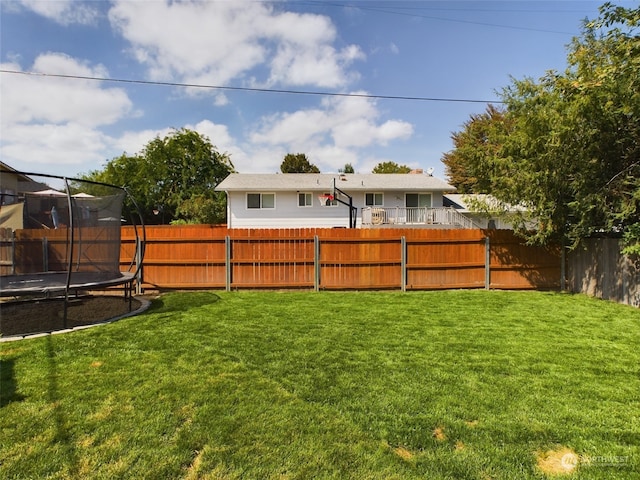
{"x":60,"y":241}
{"x":56,"y":282}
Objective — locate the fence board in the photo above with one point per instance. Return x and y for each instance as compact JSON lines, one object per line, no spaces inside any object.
{"x":599,"y":269}
{"x":6,"y":251}
{"x":515,"y":265}
{"x":196,"y":256}
{"x":47,"y":250}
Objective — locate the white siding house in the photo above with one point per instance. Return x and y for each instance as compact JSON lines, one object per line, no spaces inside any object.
{"x":292,"y":200}
{"x":501,"y":219}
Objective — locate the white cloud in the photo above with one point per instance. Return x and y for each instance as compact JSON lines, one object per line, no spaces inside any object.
{"x":51,"y":146}
{"x":258,"y":159}
{"x":55,"y":122}
{"x":64,"y":12}
{"x":133,"y":143}
{"x":213,"y":43}
{"x":393,"y":130}
{"x":31,"y":98}
{"x":217,"y":134}
{"x":350,"y":121}
{"x":221,"y":100}
{"x":332,"y":134}
{"x":292,"y":128}
{"x":333,"y":158}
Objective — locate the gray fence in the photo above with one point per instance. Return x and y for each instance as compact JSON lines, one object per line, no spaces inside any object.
{"x":600,"y":270}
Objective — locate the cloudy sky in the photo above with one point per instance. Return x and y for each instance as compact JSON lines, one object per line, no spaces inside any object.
{"x":167,"y":57}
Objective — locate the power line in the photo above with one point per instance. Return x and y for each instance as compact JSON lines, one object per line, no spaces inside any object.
{"x":248,"y":89}
{"x":388,"y":10}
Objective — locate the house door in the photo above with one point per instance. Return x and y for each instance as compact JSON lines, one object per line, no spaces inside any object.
{"x":417,"y":204}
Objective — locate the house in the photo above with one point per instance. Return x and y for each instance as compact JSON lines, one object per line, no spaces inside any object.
{"x":291,"y":200}
{"x":13,"y":186}
{"x":501,"y":218}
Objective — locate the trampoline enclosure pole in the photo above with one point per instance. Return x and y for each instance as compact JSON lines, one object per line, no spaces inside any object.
{"x":69,"y":252}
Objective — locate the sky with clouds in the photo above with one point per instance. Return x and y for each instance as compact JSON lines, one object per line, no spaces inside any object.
{"x":431,"y":52}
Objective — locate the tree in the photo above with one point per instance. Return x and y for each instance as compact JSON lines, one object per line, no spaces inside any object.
{"x":572,"y":153}
{"x":173,"y":178}
{"x":390,"y":167}
{"x":348,"y":168}
{"x":474,"y":147}
{"x":297,"y":163}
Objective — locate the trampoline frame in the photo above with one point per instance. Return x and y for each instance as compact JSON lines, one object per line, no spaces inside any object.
{"x":66,"y":282}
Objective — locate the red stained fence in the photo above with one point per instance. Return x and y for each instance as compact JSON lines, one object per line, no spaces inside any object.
{"x":205,"y":256}
{"x":27,"y":251}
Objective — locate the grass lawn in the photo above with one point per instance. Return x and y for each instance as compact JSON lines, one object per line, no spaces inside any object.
{"x":301,"y":385}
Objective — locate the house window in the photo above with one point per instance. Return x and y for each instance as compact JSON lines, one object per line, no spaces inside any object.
{"x":373,"y":199}
{"x":305,"y":199}
{"x":414,"y":200}
{"x":261,"y":200}
{"x":7,"y":196}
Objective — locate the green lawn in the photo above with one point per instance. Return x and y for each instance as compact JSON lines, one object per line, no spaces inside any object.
{"x":252,"y":385}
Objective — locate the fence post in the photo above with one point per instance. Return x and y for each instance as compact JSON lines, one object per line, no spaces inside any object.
{"x":139,"y":248}
{"x":563,"y":268}
{"x":227,"y":262}
{"x":316,"y":263}
{"x":13,"y":253}
{"x":45,"y":254}
{"x":487,"y":263}
{"x":403,"y":262}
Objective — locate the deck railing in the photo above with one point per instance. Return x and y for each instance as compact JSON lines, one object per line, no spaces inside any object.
{"x":445,"y":216}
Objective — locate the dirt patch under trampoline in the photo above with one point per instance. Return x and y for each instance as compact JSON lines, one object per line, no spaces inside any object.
{"x":25,"y":318}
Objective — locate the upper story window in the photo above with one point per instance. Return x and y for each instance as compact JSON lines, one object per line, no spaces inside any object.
{"x":305,"y":199}
{"x":261,"y":200}
{"x":413,"y":200}
{"x":374,"y":199}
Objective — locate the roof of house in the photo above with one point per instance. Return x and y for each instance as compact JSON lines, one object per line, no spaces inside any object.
{"x":323,"y":182}
{"x":4,"y":168}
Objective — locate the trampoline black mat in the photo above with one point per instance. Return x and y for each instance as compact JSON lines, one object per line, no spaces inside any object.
{"x":52,"y":282}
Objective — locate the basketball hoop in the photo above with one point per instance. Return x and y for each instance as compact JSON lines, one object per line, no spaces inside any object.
{"x":325,"y":199}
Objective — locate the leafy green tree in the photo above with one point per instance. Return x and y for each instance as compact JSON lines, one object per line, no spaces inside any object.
{"x":173,"y":178}
{"x":466,"y":166}
{"x":348,"y":168}
{"x":390,"y":167}
{"x":297,"y":163}
{"x":571,"y":152}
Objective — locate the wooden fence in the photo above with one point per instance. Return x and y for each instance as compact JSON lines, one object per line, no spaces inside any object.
{"x":599,"y":269}
{"x":25,"y":251}
{"x":203,"y":256}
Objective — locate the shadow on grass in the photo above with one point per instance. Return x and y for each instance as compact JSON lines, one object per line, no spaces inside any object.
{"x":174,"y":302}
{"x":63,"y":438}
{"x":8,"y":385}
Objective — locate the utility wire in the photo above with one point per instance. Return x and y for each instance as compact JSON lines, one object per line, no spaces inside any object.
{"x":430,"y":17}
{"x":248,"y":89}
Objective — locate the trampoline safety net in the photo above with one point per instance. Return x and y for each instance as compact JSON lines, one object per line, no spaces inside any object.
{"x":56,"y":239}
